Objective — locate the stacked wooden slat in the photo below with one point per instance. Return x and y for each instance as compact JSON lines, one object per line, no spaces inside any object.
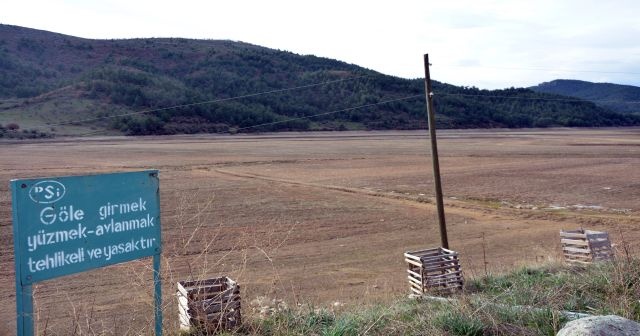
{"x":585,"y":246}
{"x":209,"y":305}
{"x":433,"y":270}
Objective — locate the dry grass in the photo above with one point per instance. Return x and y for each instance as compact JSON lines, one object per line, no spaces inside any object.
{"x":316,"y":219}
{"x":528,"y":301}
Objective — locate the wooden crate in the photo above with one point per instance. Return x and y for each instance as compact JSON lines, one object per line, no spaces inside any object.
{"x":433,"y":270}
{"x":209,"y":305}
{"x":585,"y":246}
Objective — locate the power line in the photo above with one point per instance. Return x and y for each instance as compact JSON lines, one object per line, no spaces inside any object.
{"x":324,"y":113}
{"x":538,"y":98}
{"x":305,"y":117}
{"x":540,"y":69}
{"x":332,"y":112}
{"x":365,"y":105}
{"x":219,"y":100}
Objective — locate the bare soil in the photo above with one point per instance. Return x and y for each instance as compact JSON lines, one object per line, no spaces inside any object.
{"x":319,"y":218}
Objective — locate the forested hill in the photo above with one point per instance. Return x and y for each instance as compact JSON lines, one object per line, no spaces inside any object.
{"x":620,"y":98}
{"x":67,"y":85}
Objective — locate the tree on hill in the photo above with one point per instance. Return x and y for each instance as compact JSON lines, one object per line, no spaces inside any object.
{"x":140,"y":75}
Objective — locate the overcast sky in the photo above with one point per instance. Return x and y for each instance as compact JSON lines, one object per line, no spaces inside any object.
{"x":488,"y":44}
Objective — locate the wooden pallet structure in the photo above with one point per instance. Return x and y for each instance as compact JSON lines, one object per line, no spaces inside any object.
{"x":209,"y":306}
{"x":585,"y":246}
{"x":434,"y":270}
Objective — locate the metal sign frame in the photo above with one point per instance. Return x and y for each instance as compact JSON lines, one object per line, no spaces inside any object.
{"x":66,"y":225}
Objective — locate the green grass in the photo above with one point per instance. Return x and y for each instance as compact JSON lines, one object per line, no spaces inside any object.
{"x":607,"y":288}
{"x":44,"y":116}
{"x":527,"y":301}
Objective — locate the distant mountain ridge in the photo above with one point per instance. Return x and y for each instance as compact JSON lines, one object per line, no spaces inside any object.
{"x":62,"y":84}
{"x":617,"y":97}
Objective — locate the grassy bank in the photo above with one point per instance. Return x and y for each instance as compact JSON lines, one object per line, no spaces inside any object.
{"x":528,"y":301}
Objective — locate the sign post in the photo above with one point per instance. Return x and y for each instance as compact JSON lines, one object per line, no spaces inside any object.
{"x":66,"y":225}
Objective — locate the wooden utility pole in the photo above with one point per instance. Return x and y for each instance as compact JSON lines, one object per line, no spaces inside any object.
{"x":434,"y":153}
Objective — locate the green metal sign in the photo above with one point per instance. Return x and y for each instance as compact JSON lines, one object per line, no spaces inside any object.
{"x":65,"y":225}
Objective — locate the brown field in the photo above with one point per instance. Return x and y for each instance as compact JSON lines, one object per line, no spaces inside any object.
{"x":316,"y":218}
